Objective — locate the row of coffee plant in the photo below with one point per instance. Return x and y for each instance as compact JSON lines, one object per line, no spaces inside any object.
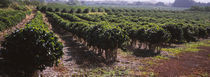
{"x":33,"y":48}
{"x":102,"y":37}
{"x":11,"y":18}
{"x":148,"y":30}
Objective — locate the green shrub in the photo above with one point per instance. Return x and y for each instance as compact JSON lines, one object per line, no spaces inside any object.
{"x":102,"y":36}
{"x":79,"y":10}
{"x":38,"y":7}
{"x":175,"y":31}
{"x":11,"y":18}
{"x":86,"y":10}
{"x":50,"y":9}
{"x":64,"y":11}
{"x":18,"y":7}
{"x":72,"y":11}
{"x":189,"y":33}
{"x":93,"y":10}
{"x":32,"y":49}
{"x":57,"y":10}
{"x":43,"y":9}
{"x":100,"y":10}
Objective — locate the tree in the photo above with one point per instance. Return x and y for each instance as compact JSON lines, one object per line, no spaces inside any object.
{"x":79,"y":10}
{"x":196,"y":8}
{"x":100,"y":10}
{"x":87,"y":10}
{"x":72,"y":11}
{"x":43,"y":9}
{"x":64,"y":10}
{"x":93,"y":10}
{"x":207,"y":8}
{"x":23,"y":58}
{"x":57,"y":10}
{"x":50,"y":9}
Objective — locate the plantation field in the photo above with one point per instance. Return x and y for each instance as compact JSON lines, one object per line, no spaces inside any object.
{"x":141,"y":33}
{"x":116,"y":28}
{"x":61,"y":40}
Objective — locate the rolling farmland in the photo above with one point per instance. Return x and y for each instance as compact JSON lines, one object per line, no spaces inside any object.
{"x":64,"y":41}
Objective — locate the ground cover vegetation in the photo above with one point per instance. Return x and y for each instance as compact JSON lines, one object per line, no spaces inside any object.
{"x":105,"y":31}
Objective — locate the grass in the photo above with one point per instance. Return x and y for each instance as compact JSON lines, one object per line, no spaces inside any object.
{"x":140,"y":74}
{"x":153,"y":61}
{"x":204,"y":75}
{"x":148,"y":74}
{"x":150,"y":62}
{"x":161,"y":57}
{"x":124,"y":53}
{"x":188,"y":47}
{"x":141,"y":68}
{"x":145,"y":66}
{"x":104,"y":72}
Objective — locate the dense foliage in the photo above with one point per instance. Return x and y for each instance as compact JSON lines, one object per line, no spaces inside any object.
{"x":198,"y":8}
{"x":32,"y":48}
{"x":103,"y":36}
{"x":9,"y":18}
{"x":146,"y":29}
{"x":68,"y":9}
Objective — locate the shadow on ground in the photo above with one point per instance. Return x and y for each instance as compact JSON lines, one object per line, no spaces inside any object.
{"x":78,"y":52}
{"x":142,"y":52}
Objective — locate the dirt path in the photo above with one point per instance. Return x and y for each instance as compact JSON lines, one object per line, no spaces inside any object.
{"x":78,"y":60}
{"x":18,"y":26}
{"x":76,"y":55}
{"x":191,"y":64}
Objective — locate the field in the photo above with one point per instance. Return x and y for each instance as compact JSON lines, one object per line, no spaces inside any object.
{"x":61,"y":40}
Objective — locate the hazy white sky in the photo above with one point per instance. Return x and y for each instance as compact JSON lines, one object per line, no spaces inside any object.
{"x":166,"y":1}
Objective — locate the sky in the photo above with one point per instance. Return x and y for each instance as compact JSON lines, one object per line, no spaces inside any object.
{"x":165,"y":1}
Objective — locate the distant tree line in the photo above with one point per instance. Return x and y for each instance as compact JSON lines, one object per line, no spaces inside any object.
{"x":188,"y":3}
{"x":199,"y":8}
{"x":13,"y":3}
{"x":149,"y":4}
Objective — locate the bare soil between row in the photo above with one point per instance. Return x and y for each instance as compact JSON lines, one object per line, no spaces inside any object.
{"x":190,"y":64}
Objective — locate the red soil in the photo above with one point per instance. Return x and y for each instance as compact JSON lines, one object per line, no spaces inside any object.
{"x":187,"y":64}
